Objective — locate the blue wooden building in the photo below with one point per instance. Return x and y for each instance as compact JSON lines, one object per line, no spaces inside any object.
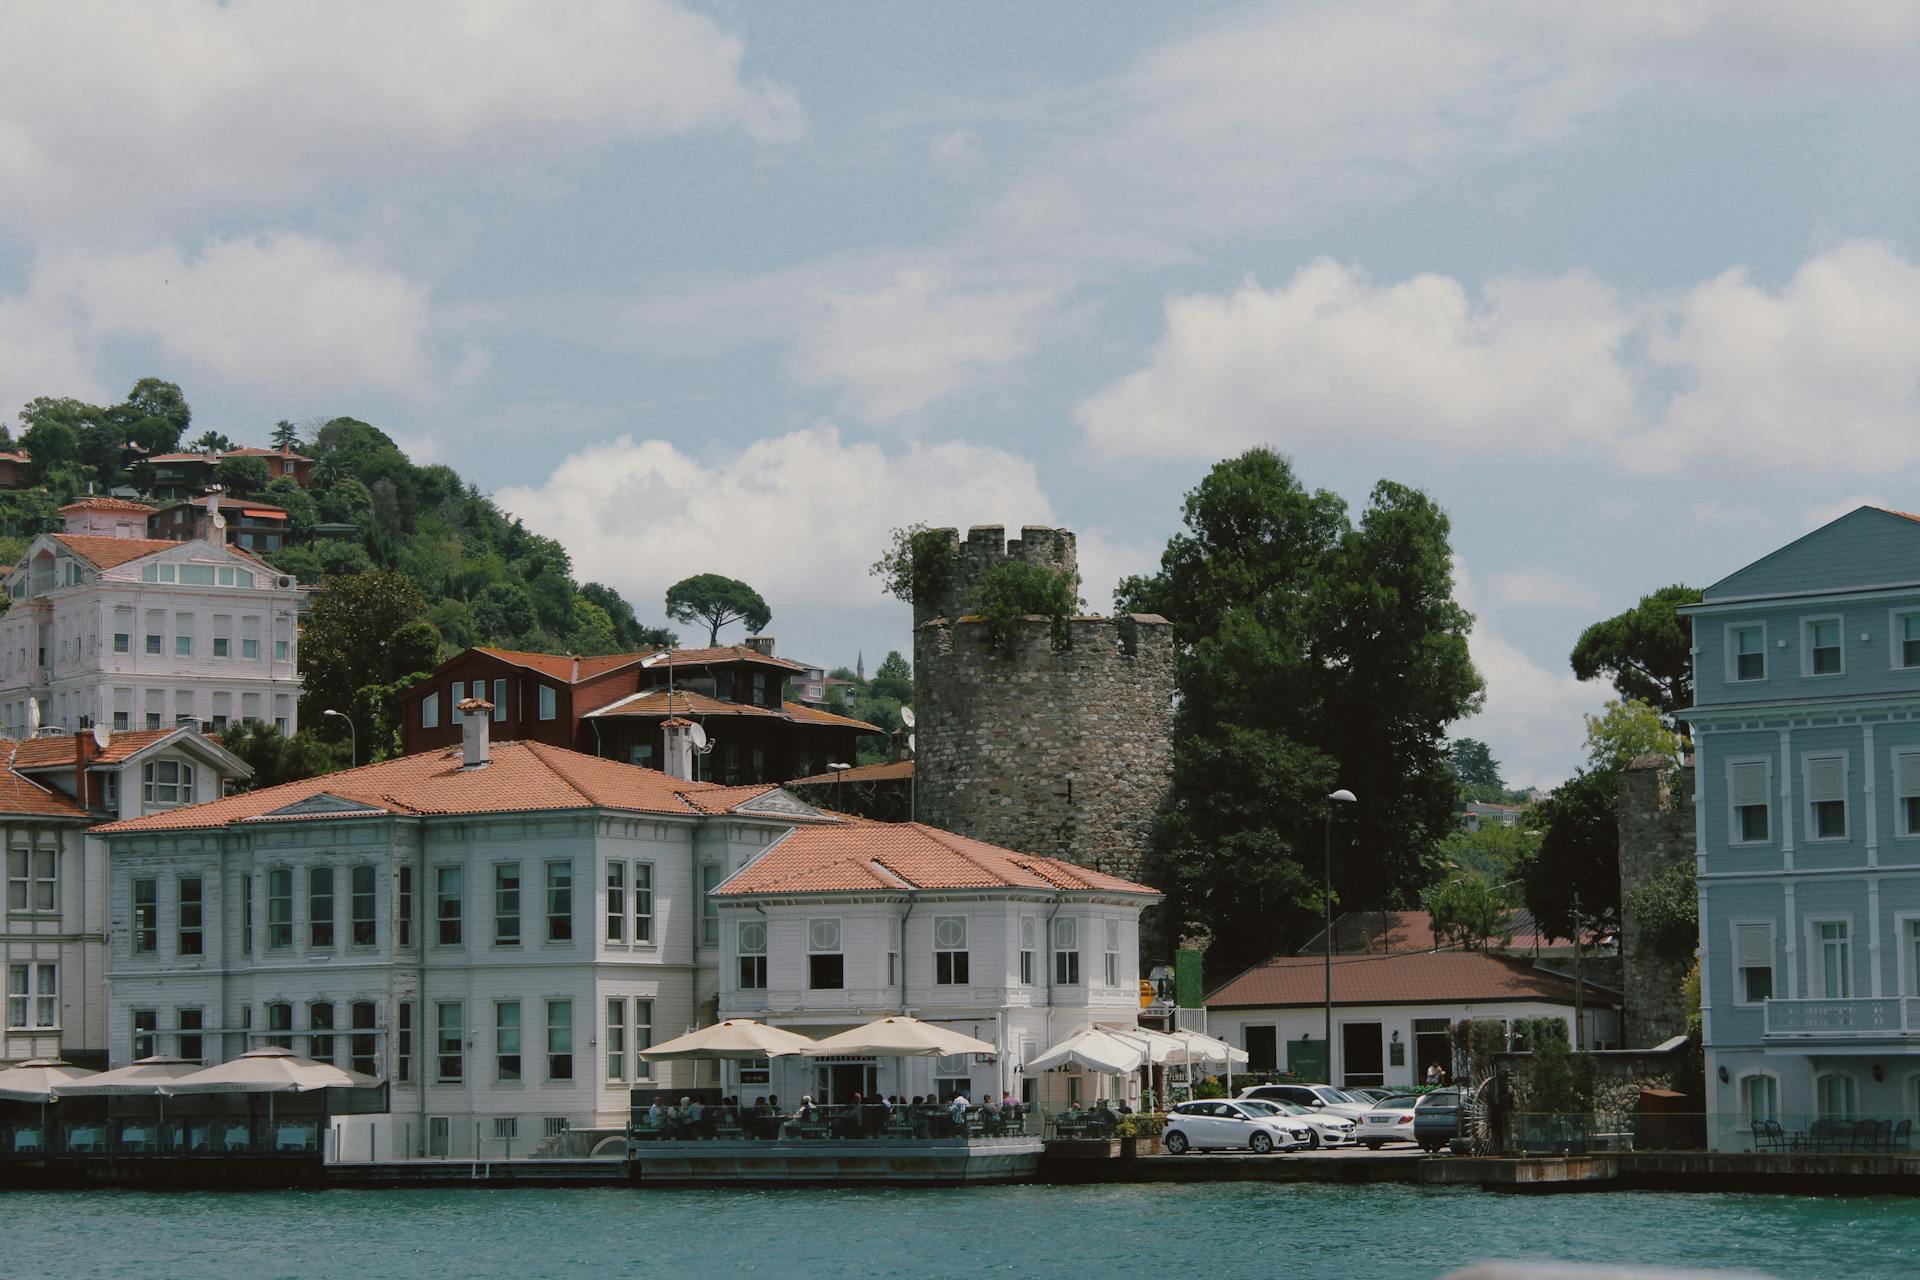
{"x":1806,"y":730}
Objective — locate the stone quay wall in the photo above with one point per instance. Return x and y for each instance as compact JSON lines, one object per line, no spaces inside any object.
{"x":1056,"y":742}
{"x":1656,"y":833}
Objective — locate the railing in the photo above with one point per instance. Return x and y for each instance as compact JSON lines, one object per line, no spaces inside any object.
{"x":192,"y":1137}
{"x":868,"y":1122}
{"x":1870,"y":1018}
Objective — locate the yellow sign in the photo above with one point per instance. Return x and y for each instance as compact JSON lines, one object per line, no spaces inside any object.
{"x":1146,"y":993}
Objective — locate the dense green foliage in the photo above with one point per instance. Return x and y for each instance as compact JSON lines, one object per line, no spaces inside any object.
{"x":718,"y":602}
{"x":1470,"y":910}
{"x":1668,"y":905}
{"x":917,"y":564}
{"x":73,"y":443}
{"x":1645,"y":651}
{"x":1010,"y":592}
{"x":876,"y":701}
{"x":275,"y":759}
{"x":1313,"y":653}
{"x":1472,"y":762}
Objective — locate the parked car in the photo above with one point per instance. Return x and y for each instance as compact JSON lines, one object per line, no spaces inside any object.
{"x":1218,"y":1124}
{"x":1314,"y":1097}
{"x":1324,"y":1128}
{"x":1436,"y":1119}
{"x":1373,"y":1093}
{"x":1391,"y":1120}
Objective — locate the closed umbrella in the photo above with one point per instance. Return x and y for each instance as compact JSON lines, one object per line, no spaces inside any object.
{"x":736,"y":1038}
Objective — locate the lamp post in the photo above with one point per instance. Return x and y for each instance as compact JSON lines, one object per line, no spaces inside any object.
{"x":353,"y":735}
{"x":1342,"y":796}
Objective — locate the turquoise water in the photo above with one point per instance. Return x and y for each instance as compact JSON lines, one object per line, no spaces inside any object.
{"x":1213,"y":1232}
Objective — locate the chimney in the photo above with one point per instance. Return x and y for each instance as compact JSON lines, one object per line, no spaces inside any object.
{"x":679,"y":756}
{"x":762,"y":645}
{"x":476,"y":716}
{"x":213,"y":531}
{"x":84,"y":749}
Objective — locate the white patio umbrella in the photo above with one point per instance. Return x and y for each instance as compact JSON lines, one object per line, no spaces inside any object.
{"x":1096,"y":1049}
{"x":736,"y":1038}
{"x":1207,"y":1049}
{"x":270,"y":1070}
{"x":147,"y":1078}
{"x":899,"y":1037}
{"x":36,"y":1079}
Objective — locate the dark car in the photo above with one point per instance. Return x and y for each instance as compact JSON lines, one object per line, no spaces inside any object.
{"x":1436,"y":1119}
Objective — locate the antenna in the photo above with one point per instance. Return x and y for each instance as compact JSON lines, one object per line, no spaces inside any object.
{"x":101,"y":736}
{"x":906,"y":716}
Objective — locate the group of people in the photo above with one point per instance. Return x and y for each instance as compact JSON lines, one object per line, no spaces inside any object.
{"x":926,"y":1117}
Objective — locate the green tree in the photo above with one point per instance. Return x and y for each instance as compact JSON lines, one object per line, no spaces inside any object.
{"x":1470,"y":911}
{"x":242,"y":477}
{"x":276,"y":759}
{"x":593,"y":631}
{"x":634,"y":635}
{"x":1645,"y":651}
{"x":154,"y":415}
{"x":1010,"y":592}
{"x":286,"y":436}
{"x":1625,"y":731}
{"x":716,"y":601}
{"x":1312,"y":653}
{"x":1495,"y":850}
{"x":366,"y":628}
{"x":893,"y":678}
{"x":214,"y":442}
{"x":1479,"y":773}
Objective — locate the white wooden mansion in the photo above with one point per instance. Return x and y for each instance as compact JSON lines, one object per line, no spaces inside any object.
{"x":54,"y":917}
{"x":108,"y":626}
{"x":499,"y":928}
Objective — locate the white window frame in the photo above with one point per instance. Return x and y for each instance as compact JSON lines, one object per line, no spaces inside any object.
{"x":430,"y":711}
{"x":1733,"y":807}
{"x":1896,"y":639}
{"x":1807,"y":624}
{"x":1819,"y":1081}
{"x":28,"y":1005}
{"x":616,"y":902}
{"x":953,"y":979}
{"x":500,"y":1043}
{"x":743,"y":952}
{"x":548,"y":702}
{"x":642,"y":1036}
{"x":1773,"y":959}
{"x":1817,"y":959}
{"x":1056,"y":952}
{"x":642,"y":896}
{"x":23,"y":890}
{"x":1112,"y":953}
{"x":1909,"y":970}
{"x":180,"y":788}
{"x":615,"y":1039}
{"x":1740,"y":1084}
{"x":1812,"y":828}
{"x":1901,"y":831}
{"x":837,"y":949}
{"x":1731,"y":671}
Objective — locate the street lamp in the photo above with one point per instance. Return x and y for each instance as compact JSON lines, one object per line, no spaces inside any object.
{"x":353,"y":736}
{"x":1342,"y":796}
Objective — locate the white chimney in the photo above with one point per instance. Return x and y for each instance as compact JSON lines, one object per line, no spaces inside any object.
{"x":679,"y":756}
{"x":476,"y":718}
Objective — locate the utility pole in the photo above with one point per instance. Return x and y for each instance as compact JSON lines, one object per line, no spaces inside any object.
{"x":1579,"y":1018}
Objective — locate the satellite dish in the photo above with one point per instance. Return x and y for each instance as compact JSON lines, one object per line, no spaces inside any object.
{"x":101,"y":736}
{"x":906,"y":716}
{"x":699,"y":737}
{"x":909,"y":744}
{"x":219,"y":521}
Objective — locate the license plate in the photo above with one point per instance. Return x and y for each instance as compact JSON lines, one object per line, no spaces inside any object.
{"x":1379,"y":1119}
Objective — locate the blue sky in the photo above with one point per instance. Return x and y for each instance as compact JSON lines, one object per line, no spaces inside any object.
{"x":1633,"y":292}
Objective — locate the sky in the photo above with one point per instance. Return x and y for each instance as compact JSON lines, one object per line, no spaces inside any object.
{"x":1632,"y":290}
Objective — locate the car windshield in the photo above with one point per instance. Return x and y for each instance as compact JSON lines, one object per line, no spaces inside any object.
{"x":1262,"y":1107}
{"x":1448,"y":1099}
{"x":1392,"y":1104}
{"x":1328,"y":1093}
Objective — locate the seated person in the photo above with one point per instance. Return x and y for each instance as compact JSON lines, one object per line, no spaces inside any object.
{"x":957,"y":1108}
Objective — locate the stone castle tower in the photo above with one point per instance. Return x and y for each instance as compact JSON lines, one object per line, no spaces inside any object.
{"x":1057,"y":742}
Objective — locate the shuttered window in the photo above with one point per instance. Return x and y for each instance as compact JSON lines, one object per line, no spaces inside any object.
{"x":1755,"y":961}
{"x":1750,"y":784}
{"x":1826,"y":797}
{"x":1906,"y":792}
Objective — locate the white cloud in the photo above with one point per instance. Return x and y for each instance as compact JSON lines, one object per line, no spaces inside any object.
{"x":115,"y":113}
{"x":289,"y":316}
{"x":800,"y":516}
{"x":957,"y":156}
{"x":1538,"y":587}
{"x":1812,"y":376}
{"x":1529,"y":364}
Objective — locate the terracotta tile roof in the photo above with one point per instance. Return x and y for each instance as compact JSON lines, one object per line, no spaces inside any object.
{"x":104,"y":504}
{"x":726,"y":653}
{"x":20,"y":456}
{"x":208,"y":458}
{"x":852,"y":857}
{"x":110,"y":553}
{"x":560,"y":665}
{"x":254,"y":451}
{"x":1388,"y":932}
{"x":51,"y":752}
{"x":23,"y":796}
{"x":1428,"y":976}
{"x":228,"y":503}
{"x":892,"y":771}
{"x":653,"y":702}
{"x":520,"y":777}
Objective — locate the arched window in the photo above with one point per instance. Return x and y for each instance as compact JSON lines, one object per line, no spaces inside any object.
{"x":1837,"y":1095}
{"x":1760,"y":1096}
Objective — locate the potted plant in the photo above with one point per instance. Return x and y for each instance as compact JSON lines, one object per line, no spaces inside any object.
{"x":1133,"y":1128}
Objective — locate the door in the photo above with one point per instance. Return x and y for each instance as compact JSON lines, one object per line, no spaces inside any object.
{"x":836,"y":1083}
{"x":1431,"y":1048}
{"x":438,"y":1130}
{"x":1207,"y":1128}
{"x":1361,"y":1056}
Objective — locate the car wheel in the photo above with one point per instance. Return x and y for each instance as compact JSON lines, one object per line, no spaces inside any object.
{"x":1313,"y":1139}
{"x":1177,"y":1143}
{"x":1262,"y":1143}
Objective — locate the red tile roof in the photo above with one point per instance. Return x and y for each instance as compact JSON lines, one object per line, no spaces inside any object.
{"x":254,"y":451}
{"x":653,"y":702}
{"x":853,"y":857}
{"x":110,"y":553}
{"x":25,"y":797}
{"x":1388,"y":932}
{"x":559,"y":665}
{"x":892,"y":771}
{"x":729,"y":653}
{"x":1416,"y":978}
{"x":520,"y":777}
{"x":104,"y":504}
{"x":209,"y":458}
{"x":57,"y":752}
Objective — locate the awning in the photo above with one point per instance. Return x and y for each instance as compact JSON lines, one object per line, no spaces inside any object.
{"x":1095,"y":1050}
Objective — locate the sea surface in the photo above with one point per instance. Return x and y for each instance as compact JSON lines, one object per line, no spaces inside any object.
{"x":1212,"y":1232}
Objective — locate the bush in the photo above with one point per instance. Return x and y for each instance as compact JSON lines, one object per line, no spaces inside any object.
{"x":1009,"y":593}
{"x":1141,"y":1124}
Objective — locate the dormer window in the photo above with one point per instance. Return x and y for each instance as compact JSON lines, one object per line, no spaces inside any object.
{"x":167,"y":782}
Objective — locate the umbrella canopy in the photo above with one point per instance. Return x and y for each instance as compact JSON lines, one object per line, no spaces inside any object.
{"x":1094,"y":1049}
{"x":270,"y":1070}
{"x":899,"y":1037}
{"x":36,"y":1079}
{"x":736,"y":1038}
{"x":1159,"y":1047}
{"x":1206,"y":1049}
{"x":146,"y":1078}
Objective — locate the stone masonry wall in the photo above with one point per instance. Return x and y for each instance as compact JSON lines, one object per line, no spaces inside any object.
{"x":1064,"y":749}
{"x":1656,"y":832}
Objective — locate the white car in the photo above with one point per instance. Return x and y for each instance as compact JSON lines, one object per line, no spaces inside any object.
{"x":1391,"y":1120}
{"x":1324,"y":1129}
{"x":1322,"y":1098}
{"x":1221,"y":1125}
